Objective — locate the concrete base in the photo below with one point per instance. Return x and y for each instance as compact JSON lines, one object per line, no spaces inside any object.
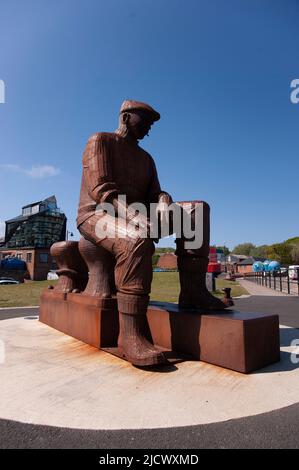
{"x":234,"y":340}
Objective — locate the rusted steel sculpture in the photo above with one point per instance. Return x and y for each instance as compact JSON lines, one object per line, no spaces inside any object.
{"x":113,"y":165}
{"x":72,"y":270}
{"x":102,"y":295}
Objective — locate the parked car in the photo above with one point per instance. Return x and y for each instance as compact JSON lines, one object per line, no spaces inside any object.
{"x":8,"y":280}
{"x":293,"y":272}
{"x":281,"y":272}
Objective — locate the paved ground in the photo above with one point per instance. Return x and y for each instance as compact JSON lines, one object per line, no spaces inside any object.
{"x":69,"y":383}
{"x":17,"y":312}
{"x":287,"y":307}
{"x":279,"y":428}
{"x":257,"y":289}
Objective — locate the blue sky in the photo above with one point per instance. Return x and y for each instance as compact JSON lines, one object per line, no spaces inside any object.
{"x":218,"y":72}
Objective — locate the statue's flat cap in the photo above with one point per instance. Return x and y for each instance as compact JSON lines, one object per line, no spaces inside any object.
{"x":130,"y":105}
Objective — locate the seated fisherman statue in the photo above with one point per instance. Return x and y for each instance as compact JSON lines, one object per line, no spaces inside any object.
{"x":116,"y":170}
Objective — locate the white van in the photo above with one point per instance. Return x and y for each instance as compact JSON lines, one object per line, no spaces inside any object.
{"x":293,"y":271}
{"x":52,"y":276}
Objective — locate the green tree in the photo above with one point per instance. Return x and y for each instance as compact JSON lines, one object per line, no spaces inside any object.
{"x":224,"y":249}
{"x":165,"y":250}
{"x":293,"y":240}
{"x":295,"y":253}
{"x":280,"y":252}
{"x":243,"y":249}
{"x":155,"y":259}
{"x":259,"y":251}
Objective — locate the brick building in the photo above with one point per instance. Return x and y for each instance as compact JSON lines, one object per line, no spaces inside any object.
{"x":245,"y":266}
{"x":167,"y":261}
{"x":30,"y":235}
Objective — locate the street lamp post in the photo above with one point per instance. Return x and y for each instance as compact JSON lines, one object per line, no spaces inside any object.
{"x":225,"y":268}
{"x":69,"y":234}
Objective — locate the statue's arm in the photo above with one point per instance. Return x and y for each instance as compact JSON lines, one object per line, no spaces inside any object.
{"x":97,"y":170}
{"x":155,"y":193}
{"x":99,"y":178}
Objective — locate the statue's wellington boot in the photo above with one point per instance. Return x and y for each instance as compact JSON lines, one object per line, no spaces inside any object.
{"x":134,"y":332}
{"x":194,"y":293}
{"x":133,"y":344}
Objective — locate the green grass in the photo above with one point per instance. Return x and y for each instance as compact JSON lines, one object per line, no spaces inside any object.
{"x":237,"y":290}
{"x":22,"y":295}
{"x":165,"y":287}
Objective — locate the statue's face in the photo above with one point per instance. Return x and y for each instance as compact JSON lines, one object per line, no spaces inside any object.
{"x":138,"y":123}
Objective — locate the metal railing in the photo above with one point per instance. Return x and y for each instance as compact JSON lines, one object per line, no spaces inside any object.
{"x":282,"y":281}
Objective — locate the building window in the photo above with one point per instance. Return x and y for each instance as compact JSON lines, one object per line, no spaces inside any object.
{"x":35,"y":209}
{"x":43,"y":257}
{"x":29,"y":257}
{"x":27,"y":211}
{"x":19,"y":255}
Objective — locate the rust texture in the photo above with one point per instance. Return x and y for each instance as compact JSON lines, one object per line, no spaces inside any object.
{"x":243,"y":342}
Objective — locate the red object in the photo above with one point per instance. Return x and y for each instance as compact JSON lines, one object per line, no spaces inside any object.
{"x":214,"y":266}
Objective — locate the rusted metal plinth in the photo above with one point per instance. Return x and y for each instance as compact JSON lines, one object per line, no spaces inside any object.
{"x":88,"y":318}
{"x":243,"y":342}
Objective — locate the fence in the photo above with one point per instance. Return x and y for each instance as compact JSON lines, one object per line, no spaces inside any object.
{"x":283,"y":281}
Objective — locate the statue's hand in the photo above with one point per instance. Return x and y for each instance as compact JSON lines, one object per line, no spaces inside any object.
{"x":165,"y":197}
{"x":162,"y":213}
